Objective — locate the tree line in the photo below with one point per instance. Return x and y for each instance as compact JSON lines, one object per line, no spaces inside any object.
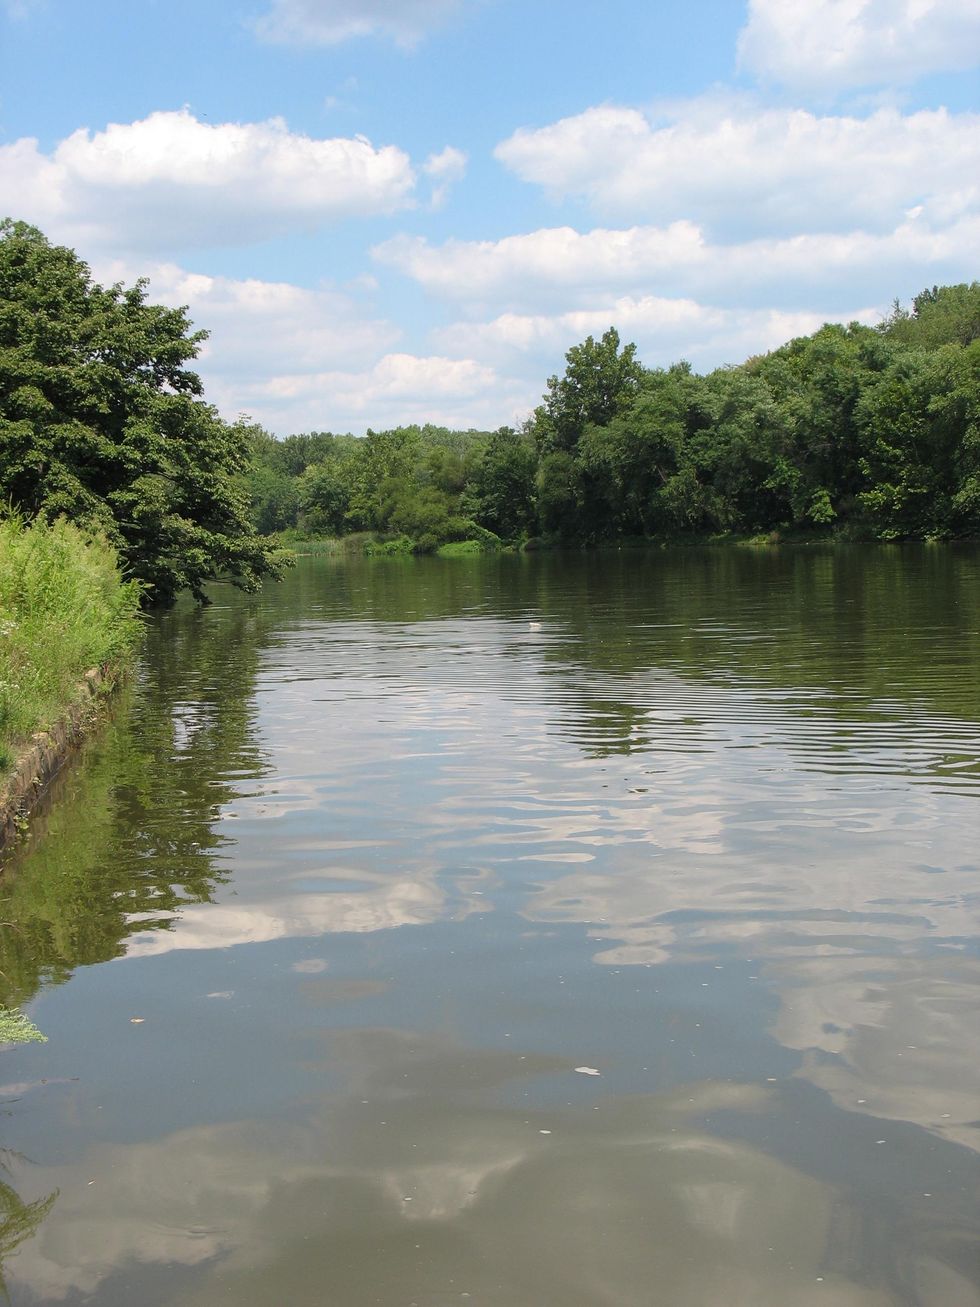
{"x":863,"y":432}
{"x":868,"y":433}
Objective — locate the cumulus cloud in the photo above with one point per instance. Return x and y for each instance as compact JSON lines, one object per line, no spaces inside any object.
{"x":330,"y":22}
{"x":827,"y":45}
{"x":444,"y":168}
{"x":542,"y":262}
{"x":665,"y":331}
{"x":556,"y":268}
{"x":739,"y":167}
{"x":170,"y":181}
{"x":297,"y":359}
{"x":398,"y":388}
{"x":260,"y":326}
{"x":388,"y":390}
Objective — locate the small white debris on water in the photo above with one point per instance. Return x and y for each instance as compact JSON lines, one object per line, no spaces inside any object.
{"x":222,"y":993}
{"x":588,"y":1071}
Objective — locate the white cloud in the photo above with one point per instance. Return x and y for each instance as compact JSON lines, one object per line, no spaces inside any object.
{"x":826,"y":45}
{"x":527,"y":266}
{"x":738,"y":167}
{"x":170,"y":181}
{"x":664,"y":330}
{"x":297,"y":359}
{"x":329,"y":22}
{"x":397,"y":388}
{"x":260,"y":326}
{"x":446,"y":167}
{"x":559,"y":268}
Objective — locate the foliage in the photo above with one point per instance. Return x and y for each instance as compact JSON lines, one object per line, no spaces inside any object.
{"x":64,"y":608}
{"x":500,"y":491}
{"x":944,"y":315}
{"x":101,"y":421}
{"x":852,"y":430}
{"x":599,"y":381}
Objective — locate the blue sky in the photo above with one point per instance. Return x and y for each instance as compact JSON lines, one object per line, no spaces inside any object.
{"x":388,"y":211}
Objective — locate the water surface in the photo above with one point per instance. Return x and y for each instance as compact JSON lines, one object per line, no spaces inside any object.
{"x":332,"y":929}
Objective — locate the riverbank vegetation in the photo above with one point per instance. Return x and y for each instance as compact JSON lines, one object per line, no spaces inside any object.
{"x":64,"y":609}
{"x":102,"y":422}
{"x":855,"y":432}
{"x":859,"y":432}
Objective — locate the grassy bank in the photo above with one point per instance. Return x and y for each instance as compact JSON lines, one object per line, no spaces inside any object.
{"x":64,"y":608}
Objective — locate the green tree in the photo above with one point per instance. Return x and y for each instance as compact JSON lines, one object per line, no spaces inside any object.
{"x":817,"y":383}
{"x":500,"y":491}
{"x":627,"y":464}
{"x":599,"y":381}
{"x":944,"y":315}
{"x":101,"y":421}
{"x":921,"y":428}
{"x":324,"y":497}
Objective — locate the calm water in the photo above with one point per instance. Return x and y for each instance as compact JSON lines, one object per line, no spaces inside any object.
{"x":521,"y":932}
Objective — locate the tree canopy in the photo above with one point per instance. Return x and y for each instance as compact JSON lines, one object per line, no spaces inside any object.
{"x":101,"y":421}
{"x":856,"y":431}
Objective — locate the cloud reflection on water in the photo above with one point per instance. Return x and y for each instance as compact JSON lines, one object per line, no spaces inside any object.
{"x":464,"y":1194}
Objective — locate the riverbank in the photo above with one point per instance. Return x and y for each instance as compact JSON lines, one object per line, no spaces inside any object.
{"x":69,"y":628}
{"x":376,"y":545}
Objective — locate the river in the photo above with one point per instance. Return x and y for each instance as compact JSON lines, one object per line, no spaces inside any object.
{"x":538,"y":931}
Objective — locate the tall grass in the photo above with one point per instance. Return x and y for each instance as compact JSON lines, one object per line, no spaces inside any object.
{"x":64,"y":607}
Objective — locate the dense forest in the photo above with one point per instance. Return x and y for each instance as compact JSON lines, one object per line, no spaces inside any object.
{"x":861,"y":432}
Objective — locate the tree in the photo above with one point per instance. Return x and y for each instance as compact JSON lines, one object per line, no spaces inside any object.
{"x":627,"y":464}
{"x":324,"y":497}
{"x":599,"y":382}
{"x":944,"y":315}
{"x":102,"y":422}
{"x":500,"y":491}
{"x":817,"y":382}
{"x":921,"y":428}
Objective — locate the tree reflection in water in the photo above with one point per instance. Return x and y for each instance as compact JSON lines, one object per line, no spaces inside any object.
{"x":19,"y":1221}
